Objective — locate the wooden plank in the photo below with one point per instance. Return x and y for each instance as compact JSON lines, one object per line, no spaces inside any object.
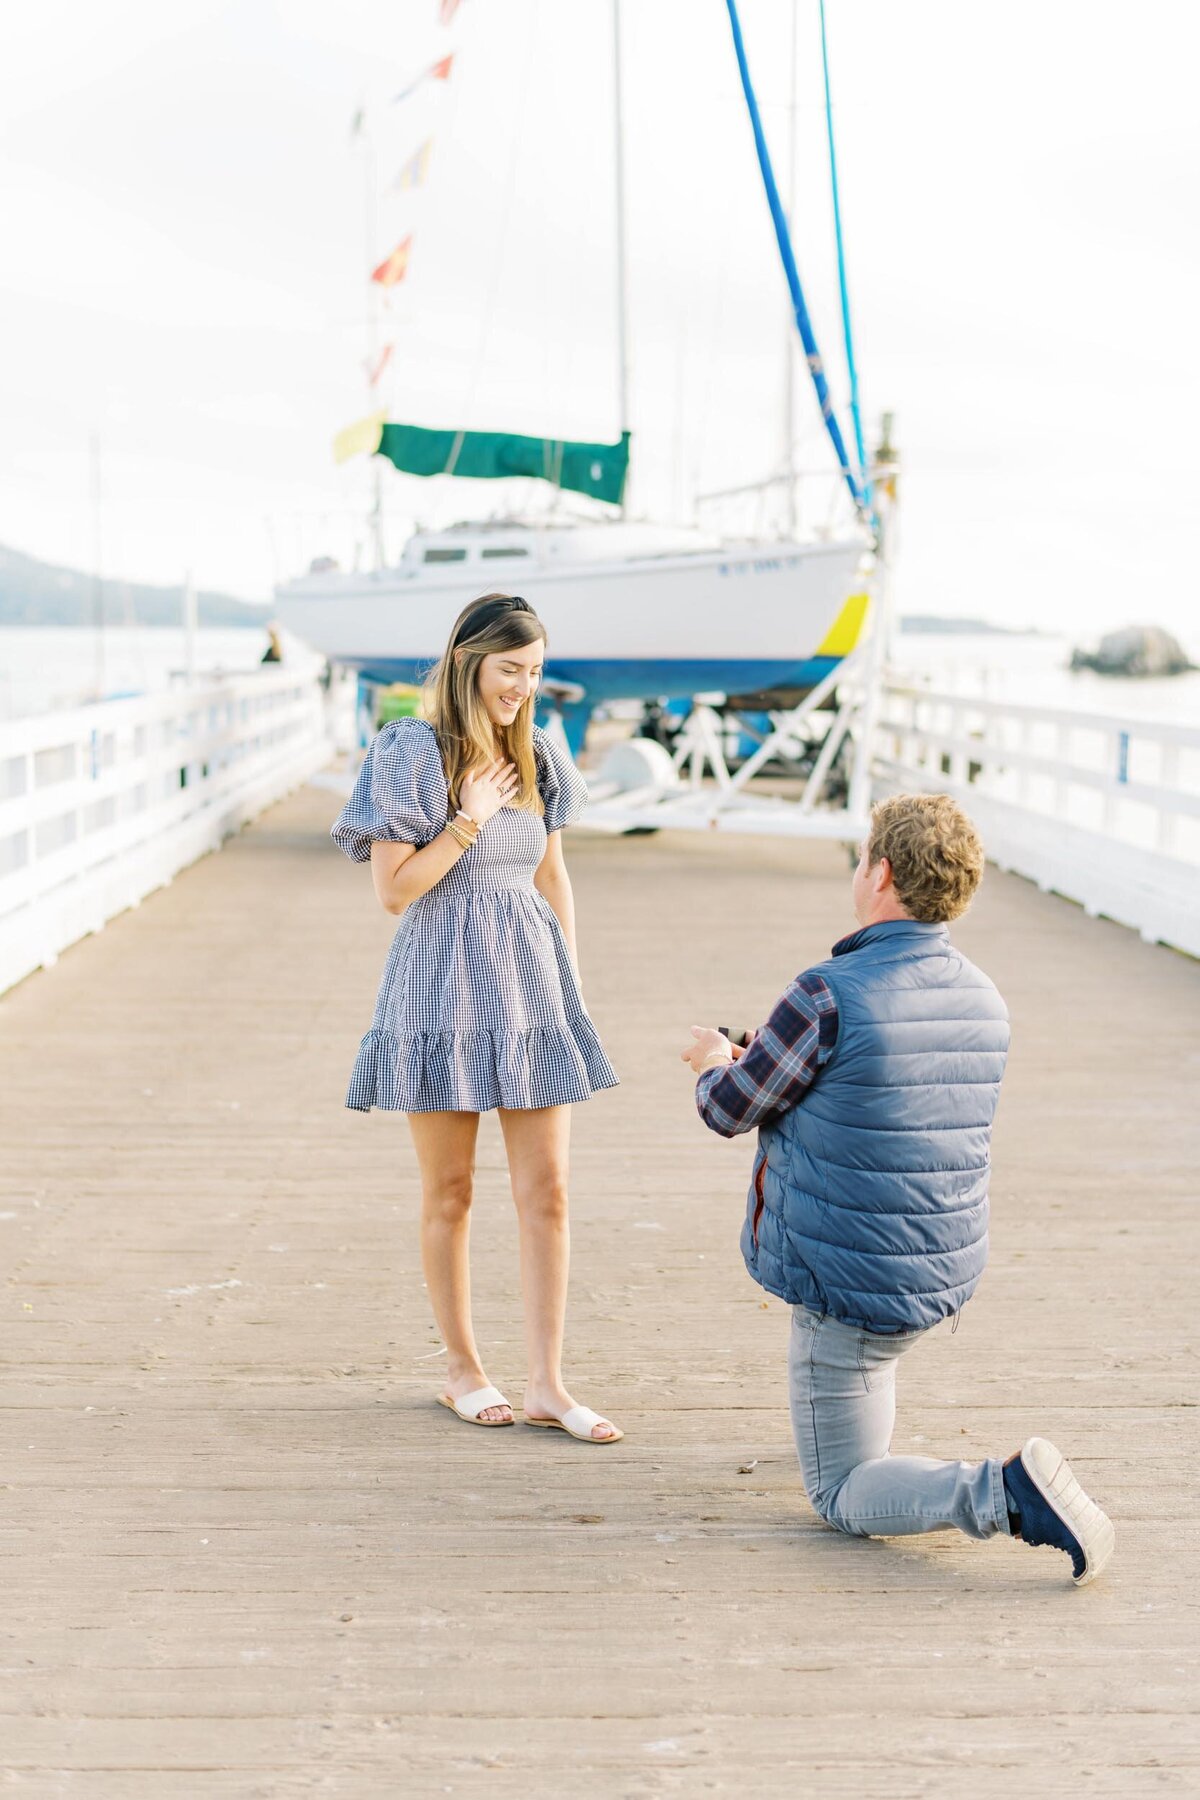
{"x":243,"y":1553}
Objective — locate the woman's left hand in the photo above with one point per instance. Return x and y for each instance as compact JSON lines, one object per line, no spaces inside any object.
{"x":708,"y":1043}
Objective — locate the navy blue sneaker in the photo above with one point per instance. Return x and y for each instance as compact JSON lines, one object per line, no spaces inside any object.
{"x":1048,"y":1506}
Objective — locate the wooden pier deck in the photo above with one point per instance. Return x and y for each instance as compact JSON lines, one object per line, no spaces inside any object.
{"x":244,"y":1553}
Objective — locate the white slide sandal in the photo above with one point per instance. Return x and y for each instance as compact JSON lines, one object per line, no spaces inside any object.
{"x":471,"y":1405}
{"x":578,"y":1422}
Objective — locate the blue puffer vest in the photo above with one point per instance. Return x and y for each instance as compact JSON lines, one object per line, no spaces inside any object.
{"x":869,"y":1199}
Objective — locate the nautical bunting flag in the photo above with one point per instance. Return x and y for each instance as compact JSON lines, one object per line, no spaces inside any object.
{"x":438,"y":71}
{"x":361,"y":438}
{"x":413,"y":174}
{"x":377,"y":364}
{"x":393,"y":268}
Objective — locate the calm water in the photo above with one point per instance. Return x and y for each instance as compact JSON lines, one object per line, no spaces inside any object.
{"x":1036,"y":670}
{"x":44,"y":669}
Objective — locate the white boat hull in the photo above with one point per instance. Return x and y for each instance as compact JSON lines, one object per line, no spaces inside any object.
{"x":672,"y":625}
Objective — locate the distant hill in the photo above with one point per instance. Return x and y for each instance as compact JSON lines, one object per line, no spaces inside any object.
{"x":937,"y":623}
{"x":39,"y":593}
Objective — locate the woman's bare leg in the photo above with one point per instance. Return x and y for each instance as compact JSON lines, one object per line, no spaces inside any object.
{"x":445,"y":1145}
{"x":538,"y":1145}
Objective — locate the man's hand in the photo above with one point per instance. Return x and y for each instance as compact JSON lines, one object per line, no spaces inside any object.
{"x":707,"y":1049}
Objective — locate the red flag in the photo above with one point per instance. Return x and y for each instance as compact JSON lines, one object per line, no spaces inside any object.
{"x":393,"y":268}
{"x":447,"y":10}
{"x":439,"y":71}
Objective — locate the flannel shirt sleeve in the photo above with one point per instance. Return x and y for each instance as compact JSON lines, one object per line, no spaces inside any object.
{"x":782,"y":1061}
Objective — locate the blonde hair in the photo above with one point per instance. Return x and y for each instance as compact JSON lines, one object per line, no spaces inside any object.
{"x":935,"y":853}
{"x":466,"y":735}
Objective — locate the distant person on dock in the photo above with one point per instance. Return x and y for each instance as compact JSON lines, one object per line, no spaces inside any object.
{"x":873,"y":1085}
{"x":461,"y":816}
{"x":274,"y":650}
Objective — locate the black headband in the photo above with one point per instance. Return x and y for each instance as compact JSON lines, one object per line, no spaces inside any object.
{"x":486,"y":613}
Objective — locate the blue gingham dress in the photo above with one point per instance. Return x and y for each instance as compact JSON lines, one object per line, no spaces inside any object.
{"x":478,"y":1006}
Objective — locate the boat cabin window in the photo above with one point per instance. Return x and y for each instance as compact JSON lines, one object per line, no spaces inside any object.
{"x":494,"y":555}
{"x":445,"y":556}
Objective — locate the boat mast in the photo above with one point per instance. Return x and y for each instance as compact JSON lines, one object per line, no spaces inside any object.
{"x":783,"y":238}
{"x":370,"y":210}
{"x":622,"y":298}
{"x":789,"y":342}
{"x":99,"y":676}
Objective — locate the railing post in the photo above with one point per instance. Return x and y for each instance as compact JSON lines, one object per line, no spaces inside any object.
{"x":1167,"y":822}
{"x":957,"y":772}
{"x":1025,"y":746}
{"x":1062,"y":747}
{"x":1117,"y":767}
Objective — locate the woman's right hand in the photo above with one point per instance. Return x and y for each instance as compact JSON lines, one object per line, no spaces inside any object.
{"x":484,"y":791}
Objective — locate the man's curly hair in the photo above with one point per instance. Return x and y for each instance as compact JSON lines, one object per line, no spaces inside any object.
{"x":934,"y":850}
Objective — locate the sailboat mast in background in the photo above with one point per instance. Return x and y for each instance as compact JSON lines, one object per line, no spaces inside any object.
{"x":622,"y":296}
{"x":370,"y":211}
{"x":791,"y":515}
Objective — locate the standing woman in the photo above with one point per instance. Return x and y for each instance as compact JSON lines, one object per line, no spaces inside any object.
{"x":479,"y":1008}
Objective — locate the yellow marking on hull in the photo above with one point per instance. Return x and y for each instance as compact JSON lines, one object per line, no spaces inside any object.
{"x":846,"y":629}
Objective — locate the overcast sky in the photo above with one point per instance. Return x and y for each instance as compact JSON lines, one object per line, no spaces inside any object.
{"x":185,"y":253}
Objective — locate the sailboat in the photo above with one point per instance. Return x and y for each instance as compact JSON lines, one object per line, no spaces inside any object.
{"x":633,"y":611}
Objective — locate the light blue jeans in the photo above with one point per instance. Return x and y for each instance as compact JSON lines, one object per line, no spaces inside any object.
{"x":843,"y":1396}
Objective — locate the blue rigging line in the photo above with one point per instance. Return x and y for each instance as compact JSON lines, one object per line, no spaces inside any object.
{"x":783,"y":238}
{"x":847,"y":333}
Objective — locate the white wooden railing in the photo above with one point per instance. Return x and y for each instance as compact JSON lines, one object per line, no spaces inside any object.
{"x":1102,"y":809}
{"x":101,"y":805}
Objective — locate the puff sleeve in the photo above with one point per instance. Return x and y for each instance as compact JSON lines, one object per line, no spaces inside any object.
{"x":562,"y":787}
{"x":400,"y":795}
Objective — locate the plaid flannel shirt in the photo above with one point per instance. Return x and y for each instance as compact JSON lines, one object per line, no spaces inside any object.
{"x":783,"y":1059}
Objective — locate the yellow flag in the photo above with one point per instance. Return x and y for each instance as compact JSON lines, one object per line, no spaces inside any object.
{"x":360,"y":439}
{"x":413,"y":174}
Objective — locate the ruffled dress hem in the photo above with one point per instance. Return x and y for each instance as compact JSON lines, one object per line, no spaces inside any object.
{"x":546,"y":1065}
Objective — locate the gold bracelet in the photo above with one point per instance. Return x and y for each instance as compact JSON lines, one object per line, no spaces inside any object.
{"x":460,"y":837}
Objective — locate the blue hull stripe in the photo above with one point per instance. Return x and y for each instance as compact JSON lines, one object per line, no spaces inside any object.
{"x":628,"y":680}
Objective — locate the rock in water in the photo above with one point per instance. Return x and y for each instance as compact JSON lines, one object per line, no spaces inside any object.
{"x":1137,"y":650}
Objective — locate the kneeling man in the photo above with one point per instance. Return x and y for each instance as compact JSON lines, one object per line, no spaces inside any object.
{"x":874,"y":1084}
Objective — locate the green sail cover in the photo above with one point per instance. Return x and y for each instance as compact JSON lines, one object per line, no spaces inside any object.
{"x":595,"y":469}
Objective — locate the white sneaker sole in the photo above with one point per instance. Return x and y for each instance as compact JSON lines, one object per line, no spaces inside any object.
{"x":1051,"y":1474}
